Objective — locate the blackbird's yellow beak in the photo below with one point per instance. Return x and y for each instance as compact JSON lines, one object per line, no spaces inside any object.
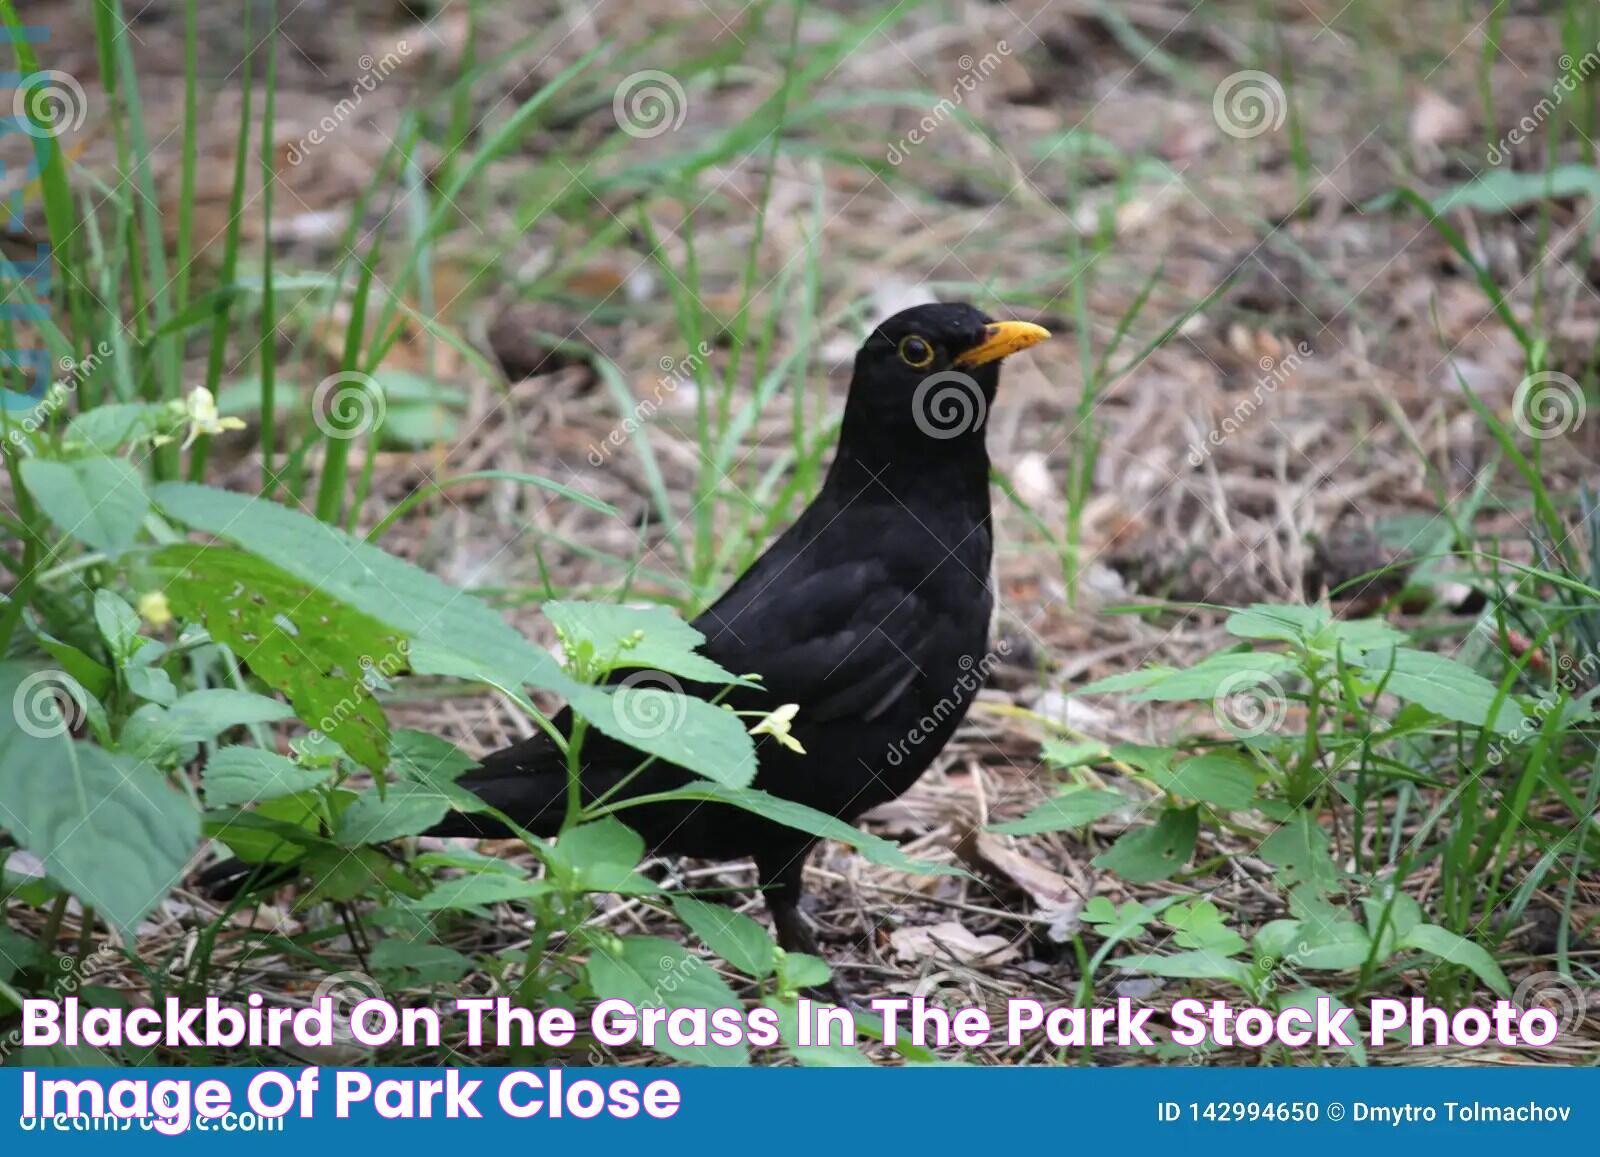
{"x":1002,"y":339}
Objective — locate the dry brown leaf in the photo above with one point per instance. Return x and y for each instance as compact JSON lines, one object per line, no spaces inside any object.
{"x":950,"y":941}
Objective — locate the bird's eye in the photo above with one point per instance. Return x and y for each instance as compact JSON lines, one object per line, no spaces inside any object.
{"x":915,"y":352}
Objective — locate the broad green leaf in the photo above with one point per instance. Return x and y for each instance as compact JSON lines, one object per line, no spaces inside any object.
{"x":600,"y":857}
{"x":297,"y":640}
{"x":1117,"y":922}
{"x":151,"y":683}
{"x":408,"y":600}
{"x":118,"y":623}
{"x":412,"y":963}
{"x":801,"y":970}
{"x":1198,"y":924}
{"x":1355,"y":636}
{"x":1505,"y":190}
{"x":107,"y":428}
{"x":235,"y":776}
{"x":1446,"y":945}
{"x":1158,"y":852}
{"x":204,"y":714}
{"x":692,"y":733}
{"x":1403,"y":915}
{"x":1218,"y":778}
{"x":1443,"y":686}
{"x":1126,"y":681}
{"x":731,"y":935}
{"x":277,"y":831}
{"x":1072,"y":809}
{"x":650,"y":972}
{"x":1284,"y":622}
{"x":98,"y":501}
{"x":1195,"y":964}
{"x":427,"y":758}
{"x":476,"y":891}
{"x":402,"y":809}
{"x":1231,"y":671}
{"x":108,"y":829}
{"x":645,"y":637}
{"x":1299,"y":850}
{"x":93,"y":676}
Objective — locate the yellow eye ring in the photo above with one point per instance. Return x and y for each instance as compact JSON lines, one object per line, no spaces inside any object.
{"x":916,"y":352}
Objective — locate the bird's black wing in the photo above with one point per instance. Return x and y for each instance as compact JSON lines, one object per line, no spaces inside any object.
{"x":843,"y":639}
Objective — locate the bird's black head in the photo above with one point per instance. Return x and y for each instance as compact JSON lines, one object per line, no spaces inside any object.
{"x":926,"y":377}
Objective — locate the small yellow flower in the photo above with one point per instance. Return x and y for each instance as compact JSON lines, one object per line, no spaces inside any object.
{"x":776,"y":724}
{"x":154,"y":608}
{"x":201,"y":411}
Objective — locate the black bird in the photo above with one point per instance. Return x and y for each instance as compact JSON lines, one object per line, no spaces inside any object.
{"x":871,"y":613}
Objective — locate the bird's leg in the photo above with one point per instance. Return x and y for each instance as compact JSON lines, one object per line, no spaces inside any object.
{"x":782,"y":884}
